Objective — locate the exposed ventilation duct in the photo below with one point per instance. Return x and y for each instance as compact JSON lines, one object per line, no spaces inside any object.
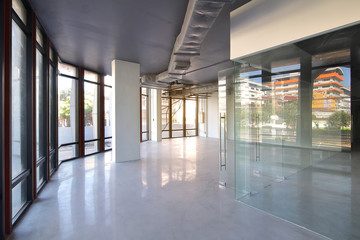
{"x":187,"y":92}
{"x":199,"y":18}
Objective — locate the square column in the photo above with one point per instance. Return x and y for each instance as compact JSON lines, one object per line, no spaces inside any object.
{"x":156,"y":133}
{"x":126,"y":111}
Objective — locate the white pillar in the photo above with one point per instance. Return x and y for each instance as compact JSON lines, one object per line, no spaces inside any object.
{"x":156,"y":120}
{"x":126,"y":111}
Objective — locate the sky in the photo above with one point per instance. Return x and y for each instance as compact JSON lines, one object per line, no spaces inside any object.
{"x":346,"y":76}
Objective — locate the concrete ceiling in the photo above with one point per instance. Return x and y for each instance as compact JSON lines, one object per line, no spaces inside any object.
{"x":91,"y":33}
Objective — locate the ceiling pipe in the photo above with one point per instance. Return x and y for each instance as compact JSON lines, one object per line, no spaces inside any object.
{"x":199,"y":18}
{"x":186,"y":92}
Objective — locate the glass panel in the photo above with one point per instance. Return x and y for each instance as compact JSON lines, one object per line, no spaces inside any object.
{"x":20,"y":9}
{"x":91,"y":111}
{"x":292,"y":134}
{"x":19,"y":101}
{"x":18,"y":196}
{"x":144,"y":113}
{"x":108,"y":143}
{"x":40,"y":174}
{"x":165,"y":134}
{"x":190,"y":133}
{"x":202,"y":117}
{"x":108,"y":111}
{"x":68,"y":152}
{"x":190,"y":114}
{"x":165,"y":113}
{"x":331,"y":108}
{"x":177,"y":114}
{"x":40,"y":123}
{"x":91,"y":147}
{"x":285,"y":65}
{"x":145,"y":136}
{"x":51,"y":54}
{"x":144,"y":91}
{"x":91,"y":76}
{"x":177,"y":133}
{"x":52,"y":117}
{"x":52,"y":161}
{"x":335,"y":57}
{"x":108,"y":80}
{"x":68,"y":69}
{"x":67,"y":110}
{"x":39,"y":37}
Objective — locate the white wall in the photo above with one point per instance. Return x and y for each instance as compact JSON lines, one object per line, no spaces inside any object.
{"x":264,"y":24}
{"x":213,"y":116}
{"x":155,"y":116}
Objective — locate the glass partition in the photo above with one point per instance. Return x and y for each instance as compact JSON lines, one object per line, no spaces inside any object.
{"x":292,"y":134}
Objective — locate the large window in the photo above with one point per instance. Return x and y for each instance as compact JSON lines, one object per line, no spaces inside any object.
{"x":145,"y":114}
{"x":179,"y":117}
{"x":107,"y":112}
{"x":52,"y":111}
{"x":40,"y":111}
{"x":91,"y":112}
{"x":68,"y":137}
{"x":191,"y":116}
{"x":165,"y":117}
{"x":20,"y":113}
{"x":1,"y":125}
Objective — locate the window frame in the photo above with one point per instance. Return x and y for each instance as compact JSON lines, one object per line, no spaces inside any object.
{"x":77,"y":100}
{"x":98,"y":84}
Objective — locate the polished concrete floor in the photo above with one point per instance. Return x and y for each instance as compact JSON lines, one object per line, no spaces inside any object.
{"x":171,"y":193}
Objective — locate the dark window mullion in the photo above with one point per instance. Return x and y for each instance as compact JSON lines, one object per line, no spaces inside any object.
{"x":19,"y":178}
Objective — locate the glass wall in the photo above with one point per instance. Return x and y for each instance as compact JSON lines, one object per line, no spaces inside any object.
{"x":107,"y":112}
{"x":41,"y":113}
{"x":145,"y":114}
{"x":2,"y":235}
{"x":293,"y":133}
{"x":91,"y":112}
{"x":26,"y":113}
{"x":20,"y":113}
{"x":165,"y":117}
{"x":179,"y":117}
{"x":68,"y":137}
{"x":52,"y":112}
{"x":191,"y":117}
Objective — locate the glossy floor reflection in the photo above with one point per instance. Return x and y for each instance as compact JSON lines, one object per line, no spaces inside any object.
{"x":171,"y":193}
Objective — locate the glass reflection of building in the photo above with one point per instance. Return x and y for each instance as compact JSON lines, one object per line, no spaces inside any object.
{"x":294,"y":130}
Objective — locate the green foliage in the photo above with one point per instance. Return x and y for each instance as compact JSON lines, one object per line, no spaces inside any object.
{"x":64,"y":106}
{"x":88,"y":108}
{"x":290,"y":114}
{"x":267,"y":112}
{"x":339,"y":119}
